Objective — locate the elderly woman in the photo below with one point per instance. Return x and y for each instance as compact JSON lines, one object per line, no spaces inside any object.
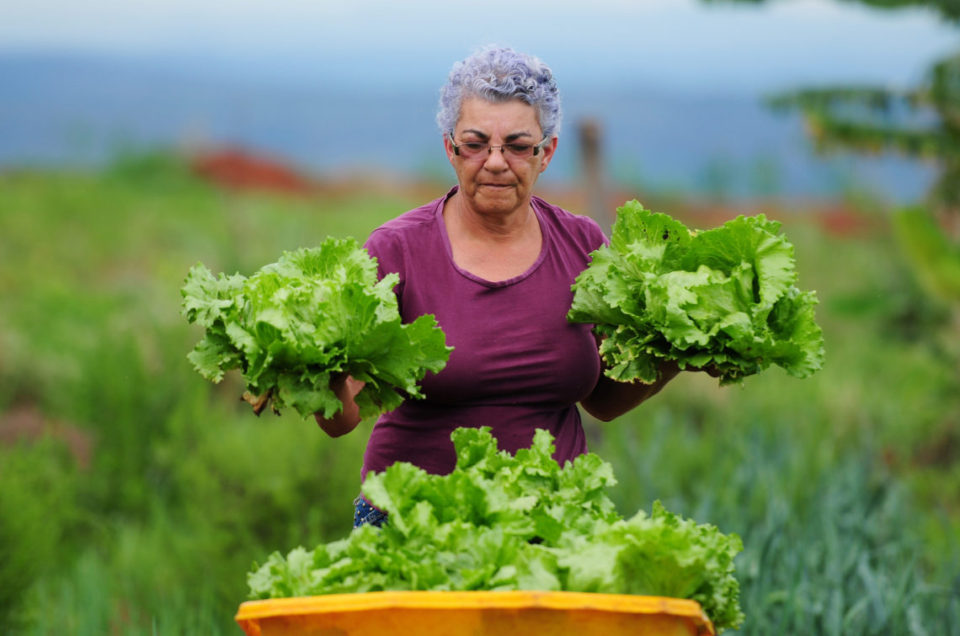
{"x":494,"y":264}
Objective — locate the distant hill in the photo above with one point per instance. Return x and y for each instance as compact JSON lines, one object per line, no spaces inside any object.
{"x":61,"y":109}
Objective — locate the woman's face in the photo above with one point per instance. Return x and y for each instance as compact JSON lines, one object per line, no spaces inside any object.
{"x":498,"y":182}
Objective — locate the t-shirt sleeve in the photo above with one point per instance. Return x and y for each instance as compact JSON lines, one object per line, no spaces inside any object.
{"x":385,"y":246}
{"x":591,"y":233}
{"x":597,"y":237}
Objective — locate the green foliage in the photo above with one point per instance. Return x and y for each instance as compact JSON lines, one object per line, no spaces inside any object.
{"x":153,"y":169}
{"x":725,"y":297}
{"x":91,"y":340}
{"x":504,"y":522}
{"x":135,"y":587}
{"x":296,"y":324}
{"x":36,"y":497}
{"x":244,"y":485}
{"x":829,"y":544}
{"x":922,"y":123}
{"x":948,"y":9}
{"x":935,"y":260}
{"x":864,"y":119}
{"x":184,"y":488}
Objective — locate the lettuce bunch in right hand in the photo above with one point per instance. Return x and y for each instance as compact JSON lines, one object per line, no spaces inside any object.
{"x":315,"y":314}
{"x":725,"y":298}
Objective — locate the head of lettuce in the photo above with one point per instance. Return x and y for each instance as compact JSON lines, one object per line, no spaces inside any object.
{"x":314,"y":315}
{"x":724,"y":299}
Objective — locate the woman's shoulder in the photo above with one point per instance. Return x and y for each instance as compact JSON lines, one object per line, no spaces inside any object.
{"x":408,"y":224}
{"x":411,"y":220}
{"x":577,"y":226}
{"x":392,"y":241}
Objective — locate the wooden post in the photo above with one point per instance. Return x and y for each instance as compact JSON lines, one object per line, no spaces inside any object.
{"x":594,"y":187}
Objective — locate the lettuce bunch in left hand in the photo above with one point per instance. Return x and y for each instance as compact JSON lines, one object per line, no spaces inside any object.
{"x":725,"y":298}
{"x":314,"y":314}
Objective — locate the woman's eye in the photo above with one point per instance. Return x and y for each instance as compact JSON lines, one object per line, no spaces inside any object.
{"x":474,"y":146}
{"x":518,"y":149}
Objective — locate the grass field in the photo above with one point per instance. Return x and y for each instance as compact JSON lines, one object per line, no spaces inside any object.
{"x":134,"y":495}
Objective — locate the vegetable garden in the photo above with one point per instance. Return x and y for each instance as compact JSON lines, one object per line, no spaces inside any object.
{"x":135,"y":497}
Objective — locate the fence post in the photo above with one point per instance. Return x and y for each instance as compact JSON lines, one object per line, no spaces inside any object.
{"x":593,"y":183}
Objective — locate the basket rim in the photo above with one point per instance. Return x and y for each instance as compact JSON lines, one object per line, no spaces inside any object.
{"x":475,"y":600}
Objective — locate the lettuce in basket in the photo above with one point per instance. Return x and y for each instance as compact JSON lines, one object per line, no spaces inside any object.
{"x":513,"y":522}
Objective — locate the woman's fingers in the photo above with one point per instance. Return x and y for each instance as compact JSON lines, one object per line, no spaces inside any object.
{"x":347,"y":386}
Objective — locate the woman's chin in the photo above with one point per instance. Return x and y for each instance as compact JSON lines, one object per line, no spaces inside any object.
{"x":492,"y":199}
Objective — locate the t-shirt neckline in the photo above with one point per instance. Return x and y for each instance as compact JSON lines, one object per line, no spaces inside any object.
{"x":442,"y":228}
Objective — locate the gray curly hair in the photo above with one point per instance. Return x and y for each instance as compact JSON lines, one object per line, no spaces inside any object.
{"x":500,"y":75}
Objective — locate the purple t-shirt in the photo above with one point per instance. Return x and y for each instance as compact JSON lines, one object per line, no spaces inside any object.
{"x":517,"y":364}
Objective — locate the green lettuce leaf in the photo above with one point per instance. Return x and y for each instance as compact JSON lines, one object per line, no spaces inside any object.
{"x":725,"y":297}
{"x":513,"y":522}
{"x":314,"y":314}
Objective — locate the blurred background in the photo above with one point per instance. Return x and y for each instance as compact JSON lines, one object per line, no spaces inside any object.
{"x":138,"y":138}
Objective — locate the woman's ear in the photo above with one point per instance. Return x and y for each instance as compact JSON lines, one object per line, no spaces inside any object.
{"x":448,"y":147}
{"x":548,"y":151}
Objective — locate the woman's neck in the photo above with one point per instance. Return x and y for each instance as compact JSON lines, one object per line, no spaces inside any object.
{"x":512,"y":226}
{"x":494,"y":247}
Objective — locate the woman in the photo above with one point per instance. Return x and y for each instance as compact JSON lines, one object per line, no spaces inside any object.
{"x":494,"y":264}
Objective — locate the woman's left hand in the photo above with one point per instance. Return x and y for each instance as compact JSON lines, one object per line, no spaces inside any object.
{"x":345,"y":387}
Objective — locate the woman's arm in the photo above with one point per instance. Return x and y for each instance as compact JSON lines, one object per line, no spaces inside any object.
{"x":345,"y":388}
{"x":611,"y":399}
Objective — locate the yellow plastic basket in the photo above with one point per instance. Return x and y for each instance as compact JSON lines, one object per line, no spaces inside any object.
{"x":524,"y":613}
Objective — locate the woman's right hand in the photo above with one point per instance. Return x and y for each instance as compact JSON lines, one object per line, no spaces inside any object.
{"x":345,"y":387}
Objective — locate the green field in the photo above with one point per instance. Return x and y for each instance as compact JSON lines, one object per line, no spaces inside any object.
{"x":134,"y":495}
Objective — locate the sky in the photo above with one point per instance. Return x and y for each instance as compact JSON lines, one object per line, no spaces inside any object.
{"x":291,"y":66}
{"x":670,"y":44}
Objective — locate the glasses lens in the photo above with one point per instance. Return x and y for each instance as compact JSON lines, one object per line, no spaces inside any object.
{"x":520,"y":151}
{"x":471,"y":149}
{"x":474,"y":148}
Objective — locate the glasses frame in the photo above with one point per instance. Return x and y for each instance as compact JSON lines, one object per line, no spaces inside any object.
{"x":537,"y":147}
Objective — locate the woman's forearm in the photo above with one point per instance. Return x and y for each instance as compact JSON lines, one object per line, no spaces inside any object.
{"x":611,"y":399}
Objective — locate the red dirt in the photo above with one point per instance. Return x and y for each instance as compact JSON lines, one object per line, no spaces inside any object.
{"x":239,"y":170}
{"x":837,"y":220}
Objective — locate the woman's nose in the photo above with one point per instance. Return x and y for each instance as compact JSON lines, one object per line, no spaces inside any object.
{"x":496,"y":159}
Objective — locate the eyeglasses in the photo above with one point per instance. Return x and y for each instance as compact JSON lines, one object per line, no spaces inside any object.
{"x":515,"y":150}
